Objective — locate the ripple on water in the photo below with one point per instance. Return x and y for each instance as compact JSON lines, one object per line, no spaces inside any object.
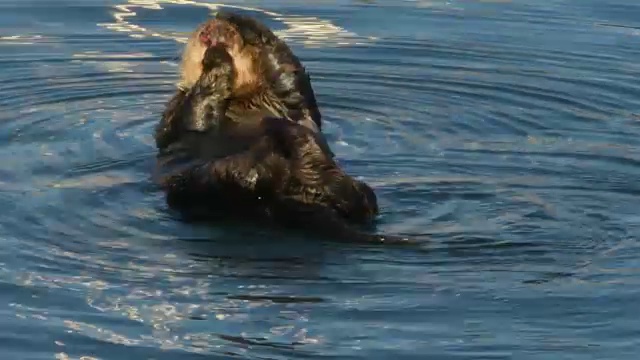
{"x":512,"y":161}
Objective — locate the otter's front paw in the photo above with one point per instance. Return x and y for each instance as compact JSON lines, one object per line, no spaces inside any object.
{"x":216,"y":57}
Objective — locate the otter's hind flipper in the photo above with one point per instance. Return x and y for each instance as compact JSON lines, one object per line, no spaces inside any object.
{"x":315,"y":174}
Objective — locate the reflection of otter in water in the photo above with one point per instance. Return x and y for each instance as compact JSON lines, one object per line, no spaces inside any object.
{"x":241,"y":137}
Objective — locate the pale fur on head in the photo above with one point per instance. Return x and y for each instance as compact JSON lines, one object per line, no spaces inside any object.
{"x":191,"y":62}
{"x":193,"y":53}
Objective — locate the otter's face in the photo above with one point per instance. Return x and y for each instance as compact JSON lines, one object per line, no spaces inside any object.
{"x":217,"y":32}
{"x":220,"y":32}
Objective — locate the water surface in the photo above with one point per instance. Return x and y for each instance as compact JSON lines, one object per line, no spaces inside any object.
{"x":503,"y":135}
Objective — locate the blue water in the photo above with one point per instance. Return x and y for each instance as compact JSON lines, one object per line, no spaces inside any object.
{"x":504,"y":136}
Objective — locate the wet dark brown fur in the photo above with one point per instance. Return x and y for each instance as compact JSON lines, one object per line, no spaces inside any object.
{"x":241,"y":138}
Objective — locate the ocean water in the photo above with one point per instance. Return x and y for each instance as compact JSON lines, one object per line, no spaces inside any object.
{"x":503,"y":135}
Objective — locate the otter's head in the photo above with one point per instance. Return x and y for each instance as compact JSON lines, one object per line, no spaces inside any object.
{"x":220,"y":31}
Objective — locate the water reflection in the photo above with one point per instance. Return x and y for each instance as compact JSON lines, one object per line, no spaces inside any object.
{"x":309,"y":30}
{"x":224,"y":286}
{"x":503,"y":136}
{"x":20,"y":39}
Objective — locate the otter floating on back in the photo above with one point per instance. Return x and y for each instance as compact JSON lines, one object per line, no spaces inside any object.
{"x":242,"y":138}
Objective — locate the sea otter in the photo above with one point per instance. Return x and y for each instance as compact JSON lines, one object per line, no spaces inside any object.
{"x":242,"y":138}
{"x":266,"y":78}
